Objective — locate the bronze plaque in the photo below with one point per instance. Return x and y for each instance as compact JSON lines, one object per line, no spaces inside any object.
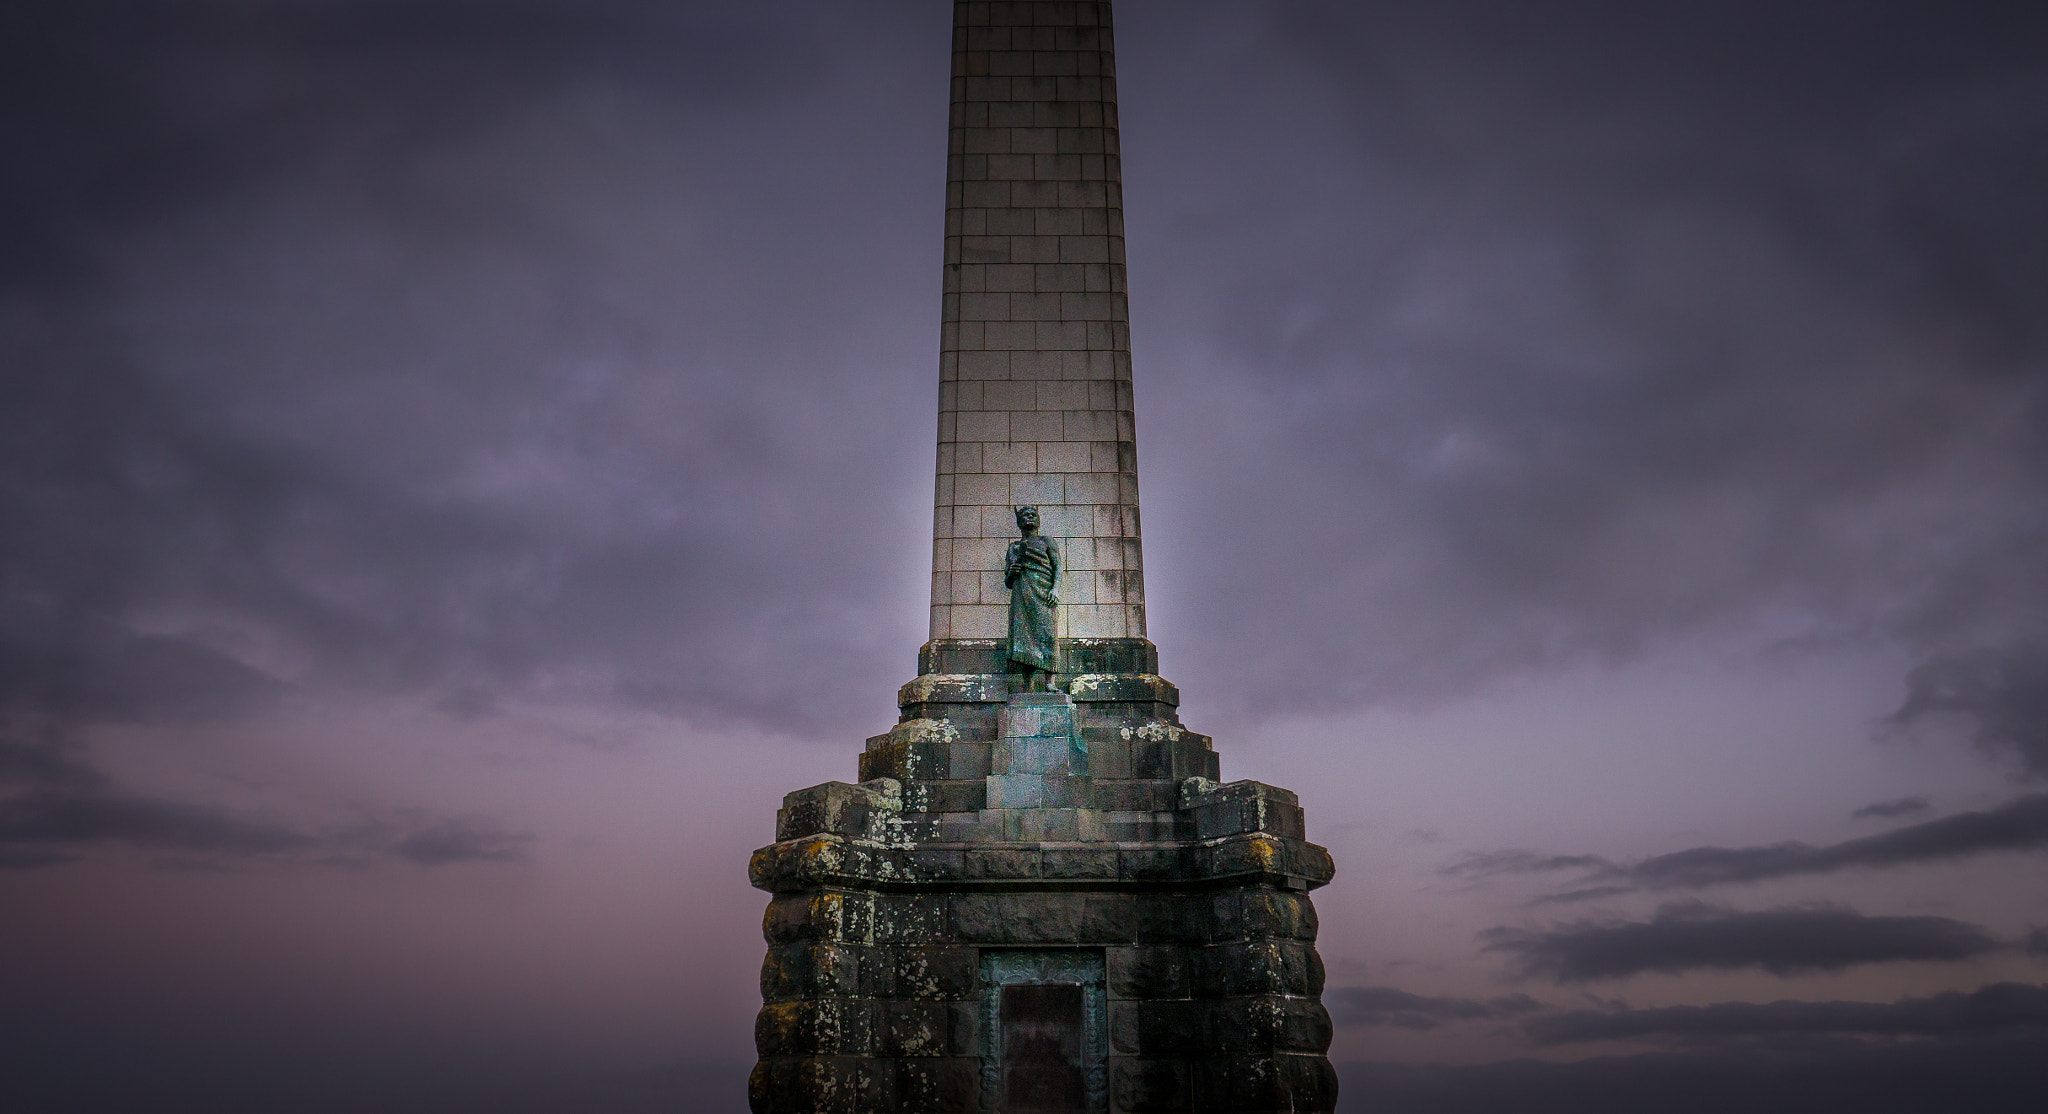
{"x":1042,"y":1072}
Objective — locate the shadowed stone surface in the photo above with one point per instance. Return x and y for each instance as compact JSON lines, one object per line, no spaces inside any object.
{"x":1074,"y":854}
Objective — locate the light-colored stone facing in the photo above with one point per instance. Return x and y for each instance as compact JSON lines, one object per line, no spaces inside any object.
{"x":1035,"y":397}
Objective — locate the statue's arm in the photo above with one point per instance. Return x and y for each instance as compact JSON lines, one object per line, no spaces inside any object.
{"x":1052,"y":551}
{"x":1010,"y":569}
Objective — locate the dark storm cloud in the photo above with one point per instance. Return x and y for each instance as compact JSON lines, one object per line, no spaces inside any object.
{"x":1384,"y":1005}
{"x":2017,"y":825}
{"x":451,"y":347}
{"x":1589,"y":325}
{"x":134,"y":110}
{"x":1893,"y":809}
{"x":1690,"y":936}
{"x":2001,"y":693}
{"x":1995,"y":1008}
{"x":570,"y":352}
{"x":55,"y":805}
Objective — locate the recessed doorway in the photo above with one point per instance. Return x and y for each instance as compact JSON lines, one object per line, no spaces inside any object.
{"x":1044,"y":1033}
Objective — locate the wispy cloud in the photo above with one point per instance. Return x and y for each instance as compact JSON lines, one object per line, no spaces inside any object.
{"x":2017,"y":825}
{"x":1994,"y":1008}
{"x":1893,"y":809}
{"x":55,"y":807}
{"x":1385,"y":1005}
{"x":1691,"y":936}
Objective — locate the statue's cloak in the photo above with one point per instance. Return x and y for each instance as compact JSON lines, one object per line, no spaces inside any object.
{"x":1030,"y":569}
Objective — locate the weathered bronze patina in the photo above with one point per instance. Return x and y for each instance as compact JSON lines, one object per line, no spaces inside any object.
{"x":1031,"y":569}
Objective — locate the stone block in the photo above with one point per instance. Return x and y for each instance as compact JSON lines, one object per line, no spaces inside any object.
{"x":1174,"y":919}
{"x":1155,"y":760}
{"x":1019,"y":918}
{"x":794,"y":971}
{"x":1159,"y":1028}
{"x":1242,"y":806}
{"x":1143,"y":827}
{"x":1040,"y":425}
{"x":877,"y":972}
{"x":1041,"y":825}
{"x":1148,"y":972}
{"x":815,"y":1027}
{"x":935,"y":973}
{"x":1241,"y":967}
{"x":1142,"y":1086}
{"x":1079,"y":862}
{"x":1063,"y":456}
{"x":1153,"y":863}
{"x":835,"y":916}
{"x":911,"y":918}
{"x":1034,"y":250}
{"x":874,"y":1082}
{"x":789,"y":866}
{"x":1034,"y":489}
{"x":916,"y":1028}
{"x":936,"y":1085}
{"x":1029,"y":367}
{"x":1293,"y":1082}
{"x":1039,"y":791}
{"x":1003,"y":863}
{"x":1257,"y":857}
{"x":836,"y":808}
{"x":1039,"y":754}
{"x":1109,"y":761}
{"x":977,"y":621}
{"x":1107,"y":918}
{"x":965,"y":795}
{"x":1274,"y":913}
{"x":1132,"y":794}
{"x":815,"y":1085}
{"x":965,"y":827}
{"x":1309,"y":863}
{"x":893,"y":757}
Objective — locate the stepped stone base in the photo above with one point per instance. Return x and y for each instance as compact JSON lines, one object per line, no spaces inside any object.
{"x":1078,"y":840}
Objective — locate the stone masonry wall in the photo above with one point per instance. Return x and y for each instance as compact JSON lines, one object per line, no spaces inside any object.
{"x":1035,"y":398}
{"x":872,"y":1000}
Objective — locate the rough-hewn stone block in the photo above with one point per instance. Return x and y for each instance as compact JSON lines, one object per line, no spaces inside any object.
{"x":1149,"y":1086}
{"x":853,"y":811}
{"x":1148,"y":972}
{"x":1304,"y":1083}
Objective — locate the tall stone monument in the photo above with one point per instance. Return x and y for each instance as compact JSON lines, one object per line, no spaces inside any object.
{"x":1039,"y":897}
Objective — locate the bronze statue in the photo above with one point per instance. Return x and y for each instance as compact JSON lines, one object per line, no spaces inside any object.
{"x":1030,"y":570}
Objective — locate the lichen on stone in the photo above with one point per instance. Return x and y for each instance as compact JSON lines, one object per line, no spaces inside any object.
{"x":1155,"y":731}
{"x":925,"y":731}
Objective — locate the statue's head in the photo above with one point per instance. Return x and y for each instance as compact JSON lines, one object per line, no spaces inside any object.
{"x":1027,"y":518}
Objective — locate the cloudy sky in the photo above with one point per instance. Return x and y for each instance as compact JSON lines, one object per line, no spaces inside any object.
{"x":461,"y":462}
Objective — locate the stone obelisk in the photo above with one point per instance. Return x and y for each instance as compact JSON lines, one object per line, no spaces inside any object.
{"x":1038,"y":897}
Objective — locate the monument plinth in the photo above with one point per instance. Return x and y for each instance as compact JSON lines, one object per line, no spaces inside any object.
{"x":1039,"y":898}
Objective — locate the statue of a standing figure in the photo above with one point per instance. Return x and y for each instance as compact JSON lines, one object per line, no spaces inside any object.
{"x":1030,"y":570}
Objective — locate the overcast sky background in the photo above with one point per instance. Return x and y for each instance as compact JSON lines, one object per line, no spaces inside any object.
{"x":461,"y":463}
